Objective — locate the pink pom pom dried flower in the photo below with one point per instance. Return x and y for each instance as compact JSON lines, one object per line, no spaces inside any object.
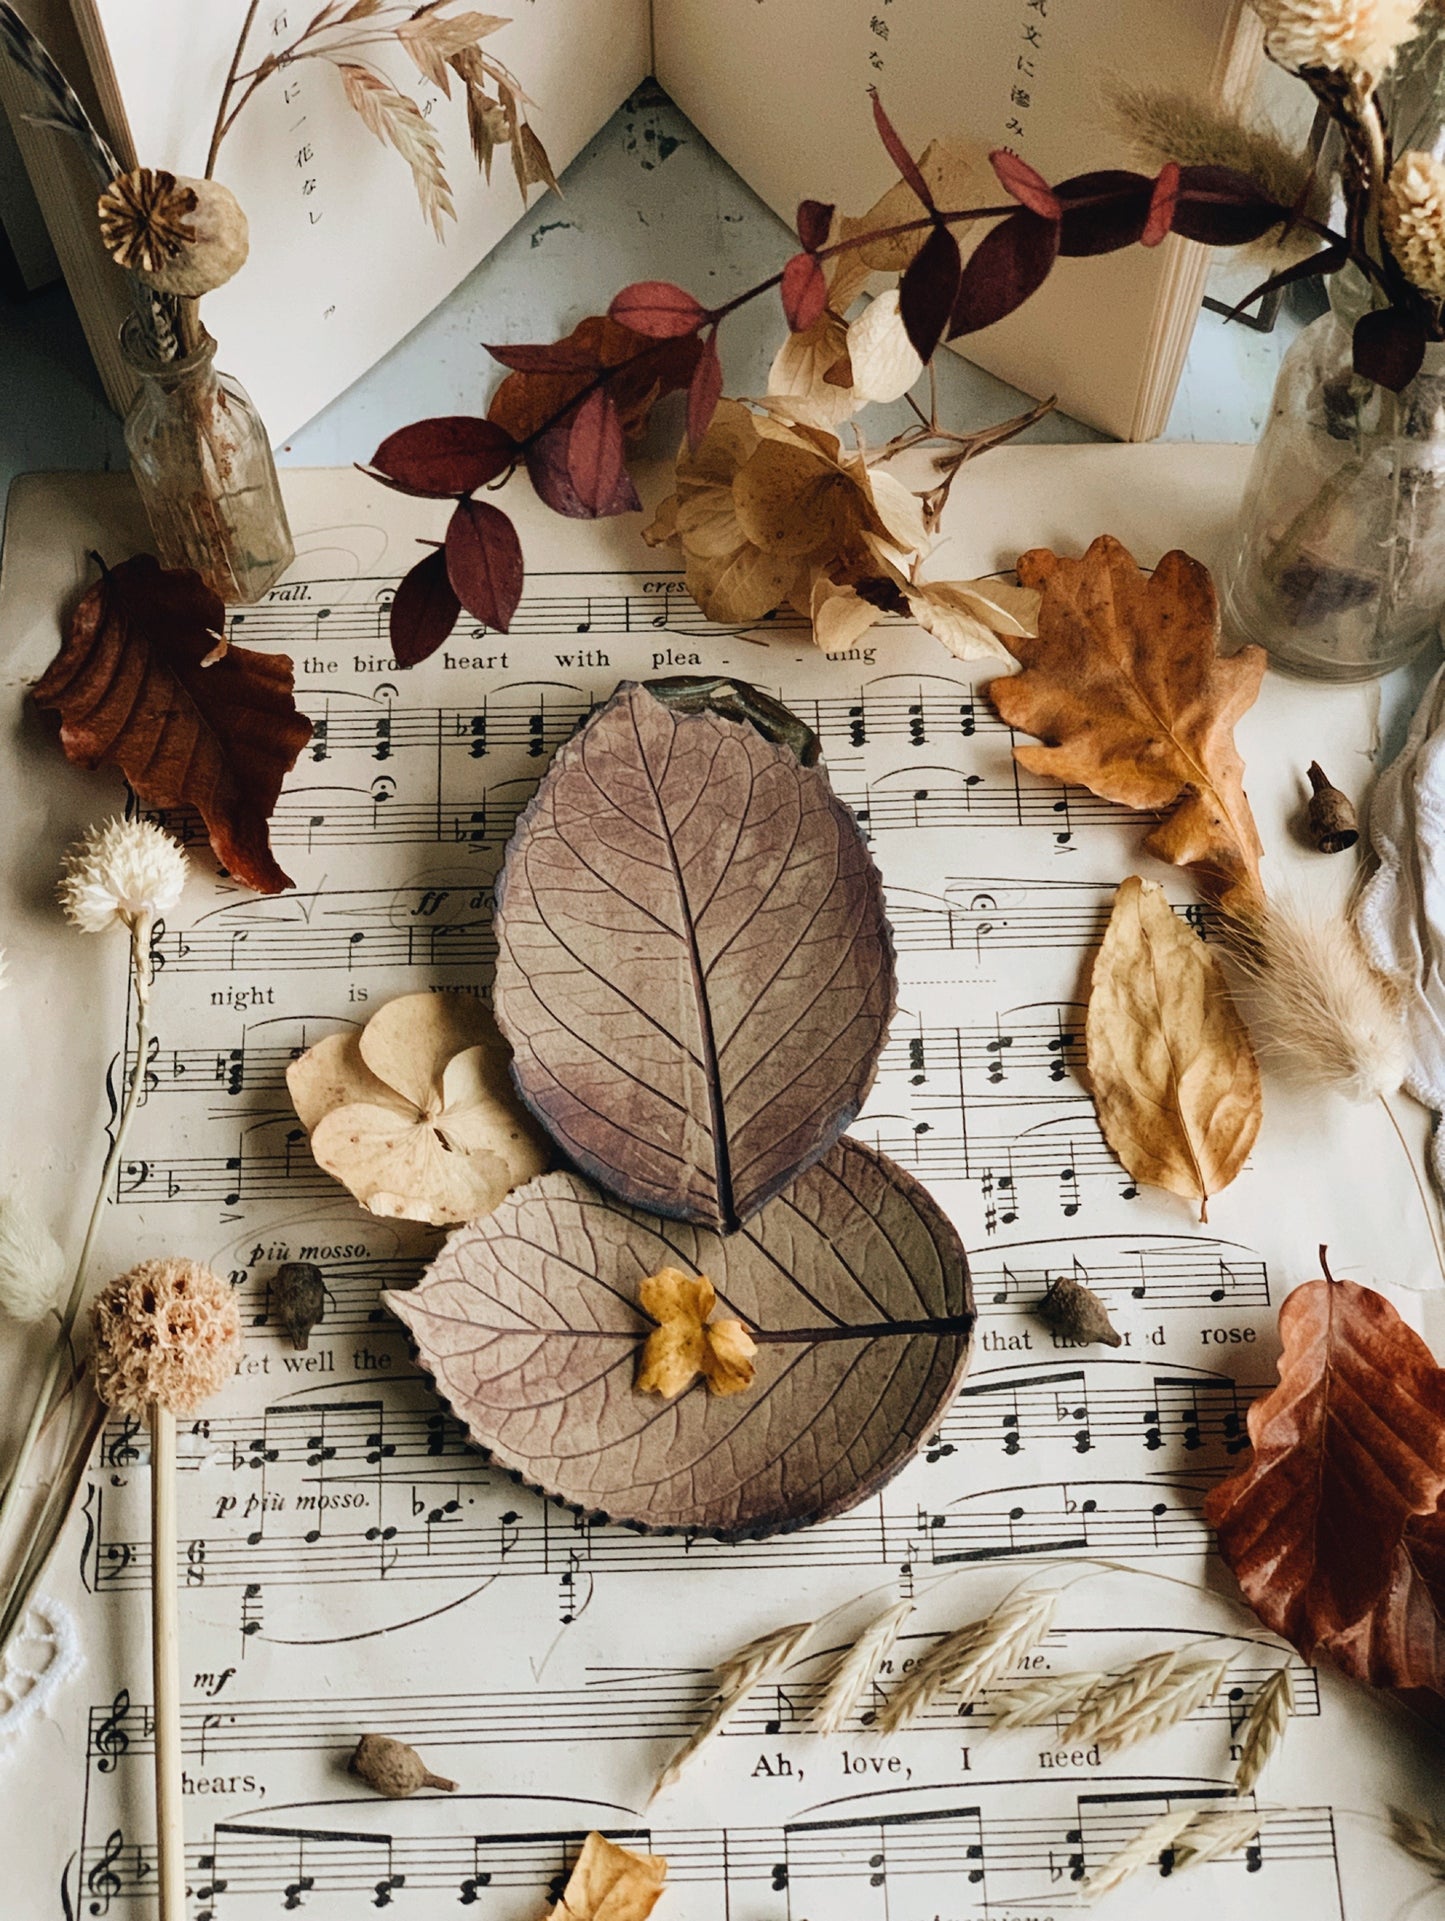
{"x":168,"y":1332}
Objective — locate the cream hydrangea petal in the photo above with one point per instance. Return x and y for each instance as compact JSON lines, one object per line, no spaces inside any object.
{"x":798,"y":372}
{"x":707,"y":522}
{"x":333,"y":1073}
{"x":954,"y":616}
{"x":731,"y":436}
{"x":663,"y":525}
{"x":482,"y":1115}
{"x":839,"y":614}
{"x":789,"y":500}
{"x":885,"y":365}
{"x":408,"y":1042}
{"x":900,"y":513}
{"x":741,"y":586}
{"x":403,"y":1169}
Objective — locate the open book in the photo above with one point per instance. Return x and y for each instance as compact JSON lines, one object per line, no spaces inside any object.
{"x":342,"y":266}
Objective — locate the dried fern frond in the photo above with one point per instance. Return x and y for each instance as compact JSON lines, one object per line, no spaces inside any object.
{"x":1145,"y":1699}
{"x":971,"y":1658}
{"x":1148,"y":1844}
{"x":1423,"y":1840}
{"x":749,"y":1668}
{"x":850,"y":1678}
{"x":1209,"y":1837}
{"x":1043,"y":1698}
{"x":1264,"y":1728}
{"x":1313,"y":1001}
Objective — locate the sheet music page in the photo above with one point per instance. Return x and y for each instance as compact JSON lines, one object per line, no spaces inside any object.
{"x":343,"y":262}
{"x":780,"y":89}
{"x":348,"y":1565}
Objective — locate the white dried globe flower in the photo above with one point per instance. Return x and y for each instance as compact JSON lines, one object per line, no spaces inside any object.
{"x":1412,"y":213}
{"x":1353,"y":36}
{"x":125,"y":871}
{"x":32,"y":1267}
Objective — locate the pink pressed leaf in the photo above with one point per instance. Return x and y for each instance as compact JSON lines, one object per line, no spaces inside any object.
{"x":804,"y":292}
{"x":1162,"y":202}
{"x":814,"y":219}
{"x":594,"y":452}
{"x":484,"y":563}
{"x":1025,"y":183}
{"x":658,"y":309}
{"x":898,"y":153}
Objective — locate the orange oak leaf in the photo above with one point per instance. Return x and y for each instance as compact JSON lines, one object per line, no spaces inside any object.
{"x":146,"y":682}
{"x":1126,"y":689}
{"x":1325,"y":1529}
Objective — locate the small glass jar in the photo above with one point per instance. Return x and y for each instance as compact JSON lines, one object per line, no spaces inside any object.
{"x":203,"y":466}
{"x":1339,"y":567}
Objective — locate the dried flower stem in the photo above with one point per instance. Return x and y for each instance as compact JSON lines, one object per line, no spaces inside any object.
{"x":19,"y":1589}
{"x":219,"y":130}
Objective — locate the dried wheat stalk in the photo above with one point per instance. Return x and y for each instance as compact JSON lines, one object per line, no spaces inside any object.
{"x":749,"y":1668}
{"x":1043,"y":1698}
{"x":972,"y":1658}
{"x":850,"y":1678}
{"x":1148,"y":1844}
{"x":1264,"y":1729}
{"x":1153,"y":1695}
{"x":1211,"y":1836}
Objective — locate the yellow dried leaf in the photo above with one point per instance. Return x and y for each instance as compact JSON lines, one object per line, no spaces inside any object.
{"x":684,"y":1344}
{"x":1173,"y":1076}
{"x":610,"y":1883}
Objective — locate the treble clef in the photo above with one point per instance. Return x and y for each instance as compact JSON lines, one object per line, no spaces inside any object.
{"x":111,"y":1739}
{"x":103,"y":1883}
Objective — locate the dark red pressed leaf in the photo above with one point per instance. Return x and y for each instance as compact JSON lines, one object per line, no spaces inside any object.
{"x":637,"y":372}
{"x":1328,"y":260}
{"x":1010,"y":262}
{"x":1103,"y":211}
{"x":570,"y":356}
{"x":549,"y":468}
{"x":1163,"y":199}
{"x":594,"y":452}
{"x":1389,"y":345}
{"x":928,"y":290}
{"x":449,"y":455}
{"x":658,"y":309}
{"x":1025,"y":183}
{"x":1223,"y":208}
{"x":804,"y":292}
{"x":898,"y":153}
{"x":424,"y":611}
{"x":704,"y":393}
{"x":814,"y":219}
{"x":484,"y":563}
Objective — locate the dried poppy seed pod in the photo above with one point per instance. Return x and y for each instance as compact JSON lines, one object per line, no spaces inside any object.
{"x":1076,"y":1312}
{"x":1333,"y":824}
{"x":298,"y":1300}
{"x":178,"y":235}
{"x":394,"y":1769}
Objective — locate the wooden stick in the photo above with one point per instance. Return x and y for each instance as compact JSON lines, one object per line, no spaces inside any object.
{"x":165,"y":1661}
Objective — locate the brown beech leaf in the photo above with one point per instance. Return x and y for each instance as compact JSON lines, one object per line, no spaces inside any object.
{"x":1126,"y":688}
{"x":853,"y":1284}
{"x":133,"y":691}
{"x":1400,"y":1643}
{"x":694,"y":969}
{"x":610,"y":1883}
{"x":1174,"y":1079}
{"x":1348,"y":1454}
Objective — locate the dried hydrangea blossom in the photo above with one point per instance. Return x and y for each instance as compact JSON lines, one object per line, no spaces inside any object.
{"x":1353,"y":36}
{"x":1413,"y":216}
{"x":167,"y":1332}
{"x":123,"y":872}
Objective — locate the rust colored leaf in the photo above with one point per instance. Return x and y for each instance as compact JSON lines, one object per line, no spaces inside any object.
{"x":928,"y":290}
{"x":1011,"y":262}
{"x":1025,"y":183}
{"x":804,"y":292}
{"x":637,"y":371}
{"x":595,"y":456}
{"x":1126,"y":688}
{"x":814,"y":219}
{"x":453,"y":454}
{"x":484,"y":562}
{"x":1401,"y":1642}
{"x":424,"y":610}
{"x":704,"y":393}
{"x":657,"y":308}
{"x":695,"y":969}
{"x":1174,"y":1079}
{"x":853,"y":1284}
{"x":1163,"y":201}
{"x":133,"y":691}
{"x":1347,"y":1451}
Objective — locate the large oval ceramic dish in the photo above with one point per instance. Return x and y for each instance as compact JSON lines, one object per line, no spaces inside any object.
{"x":529,"y":1323}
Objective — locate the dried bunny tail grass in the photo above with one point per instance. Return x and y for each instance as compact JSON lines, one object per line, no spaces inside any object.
{"x":1043,"y":1698}
{"x":1313,"y":1000}
{"x":1211,"y":1836}
{"x":1160,"y":126}
{"x":1145,"y":1699}
{"x":749,"y":1668}
{"x":32,"y":1266}
{"x":1148,"y":1844}
{"x":1422,"y":1839}
{"x":1264,"y":1728}
{"x":850,"y":1678}
{"x":972,"y":1658}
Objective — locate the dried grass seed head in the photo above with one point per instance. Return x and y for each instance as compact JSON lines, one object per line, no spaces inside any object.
{"x":168,"y":1331}
{"x":120,"y":873}
{"x":32,"y":1267}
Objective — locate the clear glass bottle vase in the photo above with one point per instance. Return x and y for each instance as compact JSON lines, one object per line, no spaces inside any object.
{"x":1339,"y":565}
{"x":203,"y":465}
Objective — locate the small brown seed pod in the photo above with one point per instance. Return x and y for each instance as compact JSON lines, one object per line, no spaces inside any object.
{"x":394,"y":1769}
{"x":1077,"y":1313}
{"x":298,"y":1300}
{"x":1333,"y":824}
